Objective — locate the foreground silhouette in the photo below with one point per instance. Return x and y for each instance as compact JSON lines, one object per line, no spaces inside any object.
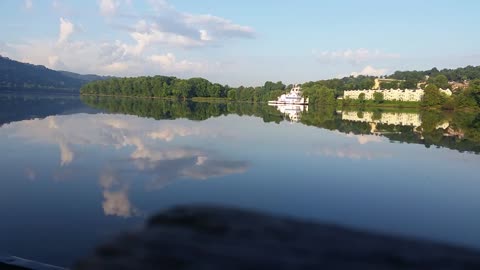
{"x":221,"y":238}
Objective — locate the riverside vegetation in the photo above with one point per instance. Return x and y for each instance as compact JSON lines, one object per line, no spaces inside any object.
{"x":323,"y":92}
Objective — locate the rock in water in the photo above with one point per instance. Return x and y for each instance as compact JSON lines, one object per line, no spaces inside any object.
{"x":193,"y":237}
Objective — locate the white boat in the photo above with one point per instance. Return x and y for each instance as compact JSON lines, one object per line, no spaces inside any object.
{"x":294,"y":97}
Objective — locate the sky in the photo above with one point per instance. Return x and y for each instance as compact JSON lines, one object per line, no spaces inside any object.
{"x":241,"y":42}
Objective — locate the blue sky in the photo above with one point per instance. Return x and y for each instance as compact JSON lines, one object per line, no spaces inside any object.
{"x":241,"y":42}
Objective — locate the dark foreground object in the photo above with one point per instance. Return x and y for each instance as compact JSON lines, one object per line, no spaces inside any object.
{"x":220,"y":238}
{"x":15,"y":263}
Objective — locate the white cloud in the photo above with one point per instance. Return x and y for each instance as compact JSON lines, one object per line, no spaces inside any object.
{"x":356,"y":56}
{"x":151,"y":46}
{"x":204,"y":35}
{"x":168,"y":62}
{"x":370,"y":71}
{"x":108,"y":7}
{"x":116,"y":67}
{"x":220,"y":27}
{"x":173,"y":28}
{"x":28,"y":4}
{"x":66,"y":29}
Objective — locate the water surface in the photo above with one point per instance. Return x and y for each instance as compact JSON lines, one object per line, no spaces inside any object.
{"x":74,"y":176}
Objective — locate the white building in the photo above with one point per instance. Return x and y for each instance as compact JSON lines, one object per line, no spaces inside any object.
{"x":392,"y":94}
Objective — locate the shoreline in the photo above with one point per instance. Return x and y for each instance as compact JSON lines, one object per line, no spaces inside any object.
{"x":407,"y":105}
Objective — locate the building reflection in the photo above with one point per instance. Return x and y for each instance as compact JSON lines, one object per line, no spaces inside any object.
{"x":293,"y":112}
{"x":402,"y":119}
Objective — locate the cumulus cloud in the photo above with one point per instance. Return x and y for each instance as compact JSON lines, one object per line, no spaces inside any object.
{"x":356,"y":56}
{"x":66,"y":29}
{"x":370,"y":71}
{"x":151,"y":45}
{"x":169,"y":62}
{"x":219,"y":27}
{"x":174,"y":28}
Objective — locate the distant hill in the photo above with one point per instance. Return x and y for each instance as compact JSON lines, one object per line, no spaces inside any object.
{"x":16,"y":75}
{"x":84,"y":77}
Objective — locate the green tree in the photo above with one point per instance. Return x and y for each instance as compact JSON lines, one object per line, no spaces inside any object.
{"x":361,"y":98}
{"x":432,"y":96}
{"x":378,"y":97}
{"x":181,"y":89}
{"x":474,"y":89}
{"x":232,"y":94}
{"x":441,"y":81}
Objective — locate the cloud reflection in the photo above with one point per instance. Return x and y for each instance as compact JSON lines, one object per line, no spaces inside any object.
{"x":146,"y":149}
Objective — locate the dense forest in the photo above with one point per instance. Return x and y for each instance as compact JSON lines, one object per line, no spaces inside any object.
{"x":164,"y":86}
{"x":16,"y":75}
{"x":428,"y":134}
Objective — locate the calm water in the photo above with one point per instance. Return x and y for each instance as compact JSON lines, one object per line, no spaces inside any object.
{"x":74,"y":173}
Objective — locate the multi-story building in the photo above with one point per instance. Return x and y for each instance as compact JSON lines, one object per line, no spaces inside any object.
{"x":392,"y":94}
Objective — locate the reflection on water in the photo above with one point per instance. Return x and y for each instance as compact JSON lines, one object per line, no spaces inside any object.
{"x":77,"y":178}
{"x":460,"y":131}
{"x":147,"y":142}
{"x":388,"y":118}
{"x":293,"y":112}
{"x":20,"y":107}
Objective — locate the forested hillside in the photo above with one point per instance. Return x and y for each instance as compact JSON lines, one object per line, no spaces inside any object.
{"x":16,"y":75}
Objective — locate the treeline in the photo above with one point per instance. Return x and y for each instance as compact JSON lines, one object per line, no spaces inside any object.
{"x":466,"y":98}
{"x":457,"y":75}
{"x":340,"y":85}
{"x":164,"y":86}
